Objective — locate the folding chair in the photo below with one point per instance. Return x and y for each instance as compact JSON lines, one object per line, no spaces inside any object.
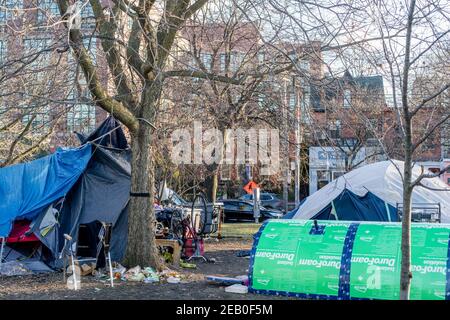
{"x":104,"y":237}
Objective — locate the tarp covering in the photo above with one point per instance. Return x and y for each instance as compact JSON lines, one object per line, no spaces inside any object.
{"x":348,"y":260}
{"x":351,"y":207}
{"x":108,"y":134}
{"x":27,"y":188}
{"x":85,"y":185}
{"x":384,"y":181}
{"x":101,"y":194}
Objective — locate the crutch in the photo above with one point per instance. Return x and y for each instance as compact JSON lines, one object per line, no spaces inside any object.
{"x":2,"y":239}
{"x":69,"y":239}
{"x":107,"y":234}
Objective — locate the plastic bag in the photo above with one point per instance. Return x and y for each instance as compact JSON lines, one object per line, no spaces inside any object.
{"x":13,"y":268}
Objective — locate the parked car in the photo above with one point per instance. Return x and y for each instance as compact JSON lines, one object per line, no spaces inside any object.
{"x":268,"y":200}
{"x":235,"y":209}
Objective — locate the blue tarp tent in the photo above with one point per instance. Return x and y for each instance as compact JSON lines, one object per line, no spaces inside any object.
{"x":26,"y":189}
{"x":54,"y":195}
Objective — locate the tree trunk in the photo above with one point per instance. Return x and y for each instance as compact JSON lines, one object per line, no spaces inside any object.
{"x":212,"y":182}
{"x":405,"y":274}
{"x":141,"y":248}
{"x":215,"y":185}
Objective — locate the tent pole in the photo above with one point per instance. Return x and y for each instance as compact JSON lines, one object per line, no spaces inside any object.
{"x":2,"y":239}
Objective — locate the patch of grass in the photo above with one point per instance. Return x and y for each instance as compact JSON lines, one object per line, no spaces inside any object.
{"x":239,"y":230}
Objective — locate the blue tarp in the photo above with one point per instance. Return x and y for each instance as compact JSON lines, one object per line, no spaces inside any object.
{"x":349,"y":206}
{"x":28,"y":188}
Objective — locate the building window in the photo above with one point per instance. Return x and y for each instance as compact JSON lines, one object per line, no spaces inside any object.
{"x":261,"y":57}
{"x":261,"y":99}
{"x":337,"y":174}
{"x":222,"y":62}
{"x":448,"y":181}
{"x":3,"y":49}
{"x":316,"y":99}
{"x":7,"y":8}
{"x":322,"y":178}
{"x":37,"y":46}
{"x":301,"y":65}
{"x":348,"y":142}
{"x":87,"y":17}
{"x":46,"y":9}
{"x":81,"y":118}
{"x":41,"y":116}
{"x":292,"y":101}
{"x":206,"y":59}
{"x":225,"y":172}
{"x":305,"y":102}
{"x":39,"y":54}
{"x":334,"y":130}
{"x":304,"y":65}
{"x":236,"y":61}
{"x":347,"y":98}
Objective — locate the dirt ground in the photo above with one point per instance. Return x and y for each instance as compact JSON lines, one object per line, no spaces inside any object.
{"x":51,"y":286}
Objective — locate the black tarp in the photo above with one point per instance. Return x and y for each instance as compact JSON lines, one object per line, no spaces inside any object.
{"x":103,"y":190}
{"x":108,"y":134}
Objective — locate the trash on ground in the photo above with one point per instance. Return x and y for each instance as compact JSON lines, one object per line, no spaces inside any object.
{"x":244,"y":279}
{"x":212,"y":260}
{"x":150,"y":275}
{"x":243,"y":253}
{"x":136,"y":277}
{"x":99,"y":275}
{"x":224,"y":281}
{"x":237,"y":288}
{"x":168,"y":257}
{"x":188,"y":265}
{"x":119,"y":269}
{"x":13,"y":268}
{"x":87,"y":269}
{"x":173,"y":280}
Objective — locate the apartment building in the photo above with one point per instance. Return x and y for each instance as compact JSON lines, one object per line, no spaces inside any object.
{"x":45,"y":86}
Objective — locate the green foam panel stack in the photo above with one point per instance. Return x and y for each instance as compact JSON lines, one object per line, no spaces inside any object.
{"x":348,"y":260}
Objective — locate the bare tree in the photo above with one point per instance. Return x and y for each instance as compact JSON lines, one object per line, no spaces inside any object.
{"x":140,"y":56}
{"x":33,"y":84}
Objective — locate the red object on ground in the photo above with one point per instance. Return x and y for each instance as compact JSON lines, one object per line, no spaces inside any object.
{"x":250,"y":186}
{"x":18,"y":233}
{"x":191,"y":241}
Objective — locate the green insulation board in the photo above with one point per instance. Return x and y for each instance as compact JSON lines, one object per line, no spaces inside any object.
{"x":348,"y":260}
